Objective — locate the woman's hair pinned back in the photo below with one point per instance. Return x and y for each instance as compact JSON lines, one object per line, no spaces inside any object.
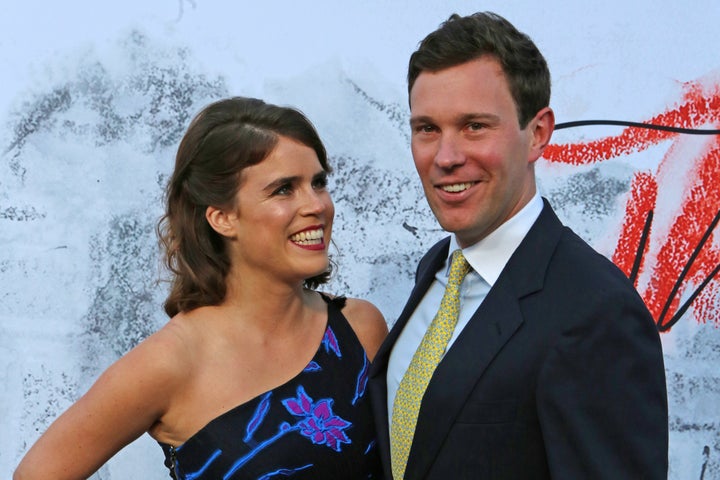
{"x":223,"y":139}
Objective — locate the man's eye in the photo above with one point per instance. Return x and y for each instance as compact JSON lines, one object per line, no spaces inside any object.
{"x":425,"y":128}
{"x":475,"y":126}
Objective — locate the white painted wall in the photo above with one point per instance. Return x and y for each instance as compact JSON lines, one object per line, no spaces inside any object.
{"x":95,"y":96}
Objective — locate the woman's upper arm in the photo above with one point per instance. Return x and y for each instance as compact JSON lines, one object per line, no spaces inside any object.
{"x":125,"y":401}
{"x":368,"y":323}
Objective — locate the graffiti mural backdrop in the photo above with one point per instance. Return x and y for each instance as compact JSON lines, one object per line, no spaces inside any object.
{"x":94,"y":103}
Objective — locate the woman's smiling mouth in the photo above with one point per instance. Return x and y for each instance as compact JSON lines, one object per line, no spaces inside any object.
{"x":311,"y":237}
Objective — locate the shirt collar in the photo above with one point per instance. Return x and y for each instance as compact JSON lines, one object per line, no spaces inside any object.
{"x":489,"y":256}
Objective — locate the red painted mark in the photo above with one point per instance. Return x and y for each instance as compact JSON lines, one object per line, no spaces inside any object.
{"x":678,"y":226}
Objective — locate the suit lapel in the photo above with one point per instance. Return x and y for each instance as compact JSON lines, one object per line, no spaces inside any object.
{"x":488,"y":330}
{"x":427,"y":268}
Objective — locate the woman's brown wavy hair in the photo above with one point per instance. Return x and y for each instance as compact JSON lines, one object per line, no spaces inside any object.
{"x":223,"y":139}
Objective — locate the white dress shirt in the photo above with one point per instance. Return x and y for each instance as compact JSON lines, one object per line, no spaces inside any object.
{"x":487,"y":259}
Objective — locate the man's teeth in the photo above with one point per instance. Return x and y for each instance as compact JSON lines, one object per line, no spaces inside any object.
{"x":456,"y":187}
{"x":308,"y":237}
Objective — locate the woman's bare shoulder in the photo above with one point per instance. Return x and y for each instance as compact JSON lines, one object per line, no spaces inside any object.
{"x":171,"y":345}
{"x":368,"y":323}
{"x":126,"y":400}
{"x":159,"y":364}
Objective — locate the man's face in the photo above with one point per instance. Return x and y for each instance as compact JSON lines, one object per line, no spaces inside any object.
{"x":474,"y":161}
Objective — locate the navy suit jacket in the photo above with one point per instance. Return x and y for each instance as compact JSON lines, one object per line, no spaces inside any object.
{"x":559,"y":374}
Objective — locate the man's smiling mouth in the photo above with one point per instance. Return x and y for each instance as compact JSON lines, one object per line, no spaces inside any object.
{"x":456,"y":187}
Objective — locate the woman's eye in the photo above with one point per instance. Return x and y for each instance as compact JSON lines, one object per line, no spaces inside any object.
{"x":320,"y":182}
{"x":283,"y":190}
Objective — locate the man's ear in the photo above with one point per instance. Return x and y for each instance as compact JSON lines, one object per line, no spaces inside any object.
{"x":220,"y":221}
{"x":542,"y":126}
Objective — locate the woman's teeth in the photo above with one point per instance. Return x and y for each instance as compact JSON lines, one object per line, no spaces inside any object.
{"x":308,"y":237}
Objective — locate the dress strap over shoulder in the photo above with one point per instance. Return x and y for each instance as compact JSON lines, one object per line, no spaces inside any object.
{"x":338,"y":302}
{"x":316,"y":426}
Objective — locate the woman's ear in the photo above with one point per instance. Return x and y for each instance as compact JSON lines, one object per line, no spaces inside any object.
{"x":221,"y":221}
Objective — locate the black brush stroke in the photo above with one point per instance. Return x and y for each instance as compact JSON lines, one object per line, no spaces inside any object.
{"x":641,"y":248}
{"x":649,"y":126}
{"x":706,"y":457}
{"x":673,"y":320}
{"x":648,"y":223}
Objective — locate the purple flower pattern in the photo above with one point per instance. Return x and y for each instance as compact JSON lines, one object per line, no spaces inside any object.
{"x":330,"y":342}
{"x":314,"y":420}
{"x":318,"y":422}
{"x":313,"y":366}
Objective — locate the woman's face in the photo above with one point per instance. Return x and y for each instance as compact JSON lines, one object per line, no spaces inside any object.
{"x":284,"y":214}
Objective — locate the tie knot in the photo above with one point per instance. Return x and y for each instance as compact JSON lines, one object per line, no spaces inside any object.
{"x":459,"y":267}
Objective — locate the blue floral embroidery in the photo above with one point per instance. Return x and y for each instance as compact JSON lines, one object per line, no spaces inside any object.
{"x":284,"y":471}
{"x":257,"y":418}
{"x":314,"y":420}
{"x":198,"y":473}
{"x":313,"y":366}
{"x":330,"y":342}
{"x":369,"y":447}
{"x":362,"y":380}
{"x":319,"y":424}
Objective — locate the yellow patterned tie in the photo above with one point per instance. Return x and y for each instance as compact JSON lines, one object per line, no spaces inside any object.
{"x":425,"y":360}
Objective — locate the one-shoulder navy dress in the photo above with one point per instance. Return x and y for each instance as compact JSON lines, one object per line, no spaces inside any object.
{"x":316,"y":426}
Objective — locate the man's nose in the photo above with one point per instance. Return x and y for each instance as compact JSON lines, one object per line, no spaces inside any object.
{"x":449,"y":154}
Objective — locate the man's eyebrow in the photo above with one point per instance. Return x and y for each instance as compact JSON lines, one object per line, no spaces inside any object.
{"x":420,"y":119}
{"x":468,"y":117}
{"x":464,"y":118}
